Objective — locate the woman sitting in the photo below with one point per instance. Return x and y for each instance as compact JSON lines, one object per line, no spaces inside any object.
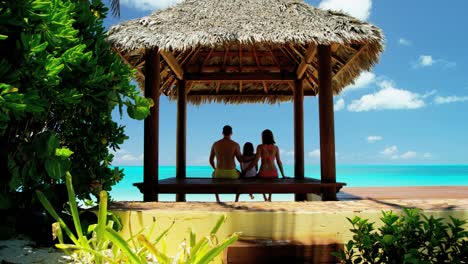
{"x":268,"y":152}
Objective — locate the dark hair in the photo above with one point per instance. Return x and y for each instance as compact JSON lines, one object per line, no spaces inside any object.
{"x":267,"y":137}
{"x":227,"y":130}
{"x":248,"y":149}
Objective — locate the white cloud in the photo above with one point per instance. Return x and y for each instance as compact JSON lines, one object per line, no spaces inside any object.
{"x":128,"y":157}
{"x":428,"y":60}
{"x":404,"y":42}
{"x":372,"y":139}
{"x":408,"y":155}
{"x":363,"y":80}
{"x":290,"y":153}
{"x":450,"y":99}
{"x":425,"y":61}
{"x":339,"y":105}
{"x":390,"y":151}
{"x":389,"y":97}
{"x":315,"y":153}
{"x":357,"y":8}
{"x":427,"y":155}
{"x":149,"y":5}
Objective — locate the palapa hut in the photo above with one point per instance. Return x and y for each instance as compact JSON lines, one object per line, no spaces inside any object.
{"x":245,"y":51}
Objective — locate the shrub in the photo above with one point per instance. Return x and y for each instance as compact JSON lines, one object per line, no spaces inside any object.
{"x":105,"y":245}
{"x":59,"y":83}
{"x":409,"y":238}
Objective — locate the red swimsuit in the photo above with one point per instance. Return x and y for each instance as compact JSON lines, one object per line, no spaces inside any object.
{"x":270,"y":157}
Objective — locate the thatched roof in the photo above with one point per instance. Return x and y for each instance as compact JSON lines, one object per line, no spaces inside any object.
{"x":248,"y":36}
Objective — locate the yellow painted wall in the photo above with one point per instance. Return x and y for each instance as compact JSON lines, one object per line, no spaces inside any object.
{"x":302,"y":226}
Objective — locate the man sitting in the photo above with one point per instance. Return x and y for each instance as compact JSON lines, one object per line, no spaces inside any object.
{"x":225,"y":150}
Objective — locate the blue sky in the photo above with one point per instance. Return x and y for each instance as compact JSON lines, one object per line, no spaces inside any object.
{"x":410,"y":109}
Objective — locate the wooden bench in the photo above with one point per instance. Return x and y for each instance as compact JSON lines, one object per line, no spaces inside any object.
{"x":240,"y":186}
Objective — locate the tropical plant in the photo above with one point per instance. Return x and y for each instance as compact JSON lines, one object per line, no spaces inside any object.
{"x":59,"y":83}
{"x":409,"y":238}
{"x":105,"y":245}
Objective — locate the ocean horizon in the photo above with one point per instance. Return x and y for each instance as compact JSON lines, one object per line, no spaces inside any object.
{"x":352,"y":175}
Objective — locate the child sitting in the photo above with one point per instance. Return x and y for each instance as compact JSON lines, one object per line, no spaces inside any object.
{"x":248,"y":156}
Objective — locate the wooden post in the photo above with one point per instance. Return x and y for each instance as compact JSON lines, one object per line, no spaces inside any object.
{"x":181,"y":135}
{"x":151,"y":131}
{"x":299,"y":135}
{"x":327,"y":127}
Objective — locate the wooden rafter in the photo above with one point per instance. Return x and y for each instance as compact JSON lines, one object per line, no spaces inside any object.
{"x":173,"y":64}
{"x":240,"y":76}
{"x":226,"y":52}
{"x":139,"y":72}
{"x":257,"y":61}
{"x":249,"y":93}
{"x":240,"y":57}
{"x":289,"y":55}
{"x":218,"y":84}
{"x":189,"y":58}
{"x":273,"y":56}
{"x":298,"y":53}
{"x":189,"y":86}
{"x":306,"y":60}
{"x":219,"y":68}
{"x":265,"y":87}
{"x":350,"y":61}
{"x":240,"y":86}
{"x":207,"y":58}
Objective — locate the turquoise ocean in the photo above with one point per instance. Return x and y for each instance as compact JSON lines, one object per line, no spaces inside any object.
{"x":352,"y":175}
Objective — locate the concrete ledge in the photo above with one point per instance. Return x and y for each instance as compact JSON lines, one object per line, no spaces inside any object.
{"x":306,"y":223}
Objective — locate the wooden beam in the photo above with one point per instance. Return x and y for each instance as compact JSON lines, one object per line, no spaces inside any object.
{"x":350,"y":61}
{"x":173,"y":64}
{"x":241,"y":76}
{"x":273,"y":56}
{"x":207,"y":58}
{"x":299,"y":135}
{"x":327,"y":127}
{"x":139,"y":72}
{"x":218,"y":84}
{"x":240,"y":87}
{"x":306,"y":60}
{"x":257,"y":61}
{"x":223,"y":68}
{"x":188,"y":59}
{"x":240,"y":57}
{"x":151,"y":131}
{"x":265,"y":87}
{"x":245,"y":68}
{"x":245,"y":93}
{"x":181,"y":136}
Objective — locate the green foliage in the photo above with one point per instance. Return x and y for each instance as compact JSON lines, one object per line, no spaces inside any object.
{"x":409,"y":238}
{"x":59,"y":82}
{"x":105,"y":245}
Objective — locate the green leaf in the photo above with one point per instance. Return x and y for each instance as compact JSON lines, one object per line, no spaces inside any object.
{"x":3,"y":37}
{"x":215,"y":251}
{"x":52,"y":144}
{"x":63,"y":152}
{"x":122,"y":244}
{"x":56,"y":168}
{"x":54,"y":214}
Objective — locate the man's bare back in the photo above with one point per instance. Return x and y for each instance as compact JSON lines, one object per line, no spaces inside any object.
{"x":225,"y":150}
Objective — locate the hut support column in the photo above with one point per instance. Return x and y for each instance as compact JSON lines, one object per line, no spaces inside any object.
{"x":327,"y":127}
{"x":151,"y":130}
{"x":181,"y":136}
{"x":299,"y":135}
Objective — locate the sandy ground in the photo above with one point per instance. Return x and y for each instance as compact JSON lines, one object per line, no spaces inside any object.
{"x":24,"y":251}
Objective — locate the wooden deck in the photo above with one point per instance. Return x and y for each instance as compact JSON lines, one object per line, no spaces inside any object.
{"x":210,"y":185}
